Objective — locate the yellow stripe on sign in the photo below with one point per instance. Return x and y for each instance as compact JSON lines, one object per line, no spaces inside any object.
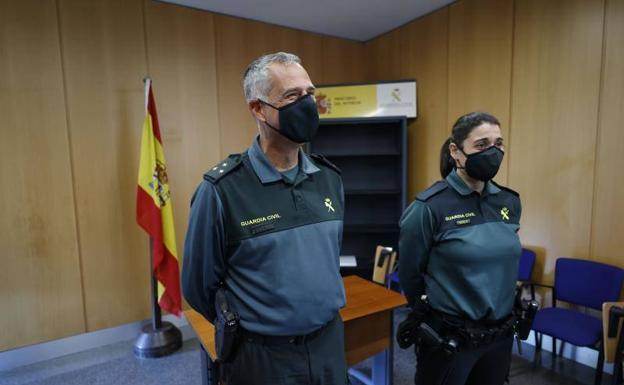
{"x":347,"y":101}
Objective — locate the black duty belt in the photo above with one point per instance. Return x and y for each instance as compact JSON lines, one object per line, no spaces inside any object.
{"x":471,"y":333}
{"x":277,"y":340}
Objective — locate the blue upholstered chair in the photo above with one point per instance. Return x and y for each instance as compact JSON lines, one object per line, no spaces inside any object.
{"x":392,"y":281}
{"x":525,"y":270}
{"x":585,"y":283}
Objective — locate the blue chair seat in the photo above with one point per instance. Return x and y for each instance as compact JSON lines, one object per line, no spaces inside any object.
{"x":392,"y":281}
{"x":568,"y":325}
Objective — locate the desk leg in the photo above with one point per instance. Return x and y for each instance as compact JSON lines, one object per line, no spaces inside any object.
{"x":382,"y":370}
{"x":383,"y":362}
{"x":209,"y":369}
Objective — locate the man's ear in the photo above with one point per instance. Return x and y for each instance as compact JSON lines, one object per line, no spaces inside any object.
{"x":255,"y":107}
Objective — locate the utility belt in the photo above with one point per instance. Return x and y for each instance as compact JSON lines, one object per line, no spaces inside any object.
{"x":279,"y":340}
{"x":453,"y":333}
{"x":464,"y":333}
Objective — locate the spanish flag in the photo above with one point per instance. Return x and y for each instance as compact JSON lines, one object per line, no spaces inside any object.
{"x":153,"y":210}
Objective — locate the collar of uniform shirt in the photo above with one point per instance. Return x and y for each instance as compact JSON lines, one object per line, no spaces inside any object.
{"x":265,"y":170}
{"x":458,"y":184}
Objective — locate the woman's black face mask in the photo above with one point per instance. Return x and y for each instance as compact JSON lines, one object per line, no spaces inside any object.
{"x":299,"y":120}
{"x":484,"y":165}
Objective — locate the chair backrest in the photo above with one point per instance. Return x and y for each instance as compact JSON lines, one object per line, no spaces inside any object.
{"x":385,"y":258}
{"x":525,"y":268}
{"x":587,"y":283}
{"x":610,"y":343}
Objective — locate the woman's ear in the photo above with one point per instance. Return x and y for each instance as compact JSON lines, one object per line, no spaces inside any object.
{"x":457,"y":155}
{"x":454,"y":150}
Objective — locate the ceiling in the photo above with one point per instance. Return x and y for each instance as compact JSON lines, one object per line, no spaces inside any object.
{"x":359,"y":20}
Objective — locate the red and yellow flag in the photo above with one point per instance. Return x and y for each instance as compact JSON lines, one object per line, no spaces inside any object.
{"x":154,"y":213}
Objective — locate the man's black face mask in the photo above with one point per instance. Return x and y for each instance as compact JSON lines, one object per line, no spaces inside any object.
{"x":484,"y":165}
{"x":299,"y":120}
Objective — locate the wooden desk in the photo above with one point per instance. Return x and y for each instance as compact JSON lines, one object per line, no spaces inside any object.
{"x":205,"y":334}
{"x":368,"y":330}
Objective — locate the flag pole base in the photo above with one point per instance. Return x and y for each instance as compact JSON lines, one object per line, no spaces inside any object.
{"x":154,"y":343}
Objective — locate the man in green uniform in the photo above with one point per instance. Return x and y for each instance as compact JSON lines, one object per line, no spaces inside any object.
{"x":266,"y":226}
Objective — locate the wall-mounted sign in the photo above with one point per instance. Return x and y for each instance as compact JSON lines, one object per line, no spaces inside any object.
{"x":367,"y":100}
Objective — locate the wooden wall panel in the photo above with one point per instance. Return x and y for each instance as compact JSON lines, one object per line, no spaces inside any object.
{"x":479,"y":76}
{"x":556,"y":77}
{"x":68,"y":180}
{"x":238,"y":43}
{"x":419,"y":50}
{"x":105,"y":62}
{"x":607,"y":224}
{"x":343,"y":61}
{"x":40,"y":292}
{"x":182,"y":64}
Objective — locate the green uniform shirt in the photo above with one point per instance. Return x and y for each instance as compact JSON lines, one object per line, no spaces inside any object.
{"x":272,"y":239}
{"x":461,"y":248}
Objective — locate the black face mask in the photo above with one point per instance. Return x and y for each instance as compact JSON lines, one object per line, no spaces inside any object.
{"x":484,"y":165}
{"x":299,"y":120}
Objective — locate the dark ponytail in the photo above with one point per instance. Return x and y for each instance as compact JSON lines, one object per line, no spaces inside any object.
{"x":446,"y":161}
{"x":461,"y":129}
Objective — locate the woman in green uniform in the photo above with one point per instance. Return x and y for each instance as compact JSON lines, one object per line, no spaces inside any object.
{"x":459,"y":253}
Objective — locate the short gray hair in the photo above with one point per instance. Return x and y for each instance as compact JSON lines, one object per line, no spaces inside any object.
{"x":256,"y":78}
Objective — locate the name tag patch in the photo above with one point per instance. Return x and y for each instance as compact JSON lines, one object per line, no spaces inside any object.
{"x":261,"y":228}
{"x":460,"y":219}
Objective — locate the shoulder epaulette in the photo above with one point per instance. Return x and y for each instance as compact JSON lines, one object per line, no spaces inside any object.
{"x":324,"y":161}
{"x":223,"y":168}
{"x":435,"y":189}
{"x":506,"y":189}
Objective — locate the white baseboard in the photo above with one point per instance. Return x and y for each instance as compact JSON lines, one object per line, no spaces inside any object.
{"x":585,"y":356}
{"x":32,"y":354}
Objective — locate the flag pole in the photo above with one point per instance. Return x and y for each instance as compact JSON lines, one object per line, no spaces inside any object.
{"x":157,"y":338}
{"x":156,"y":313}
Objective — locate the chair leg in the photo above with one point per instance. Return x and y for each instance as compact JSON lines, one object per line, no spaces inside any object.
{"x":617,"y":364}
{"x":554,"y":347}
{"x":599,"y":365}
{"x":617,"y":373}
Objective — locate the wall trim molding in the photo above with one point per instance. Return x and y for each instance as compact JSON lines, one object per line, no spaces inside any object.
{"x":32,"y":354}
